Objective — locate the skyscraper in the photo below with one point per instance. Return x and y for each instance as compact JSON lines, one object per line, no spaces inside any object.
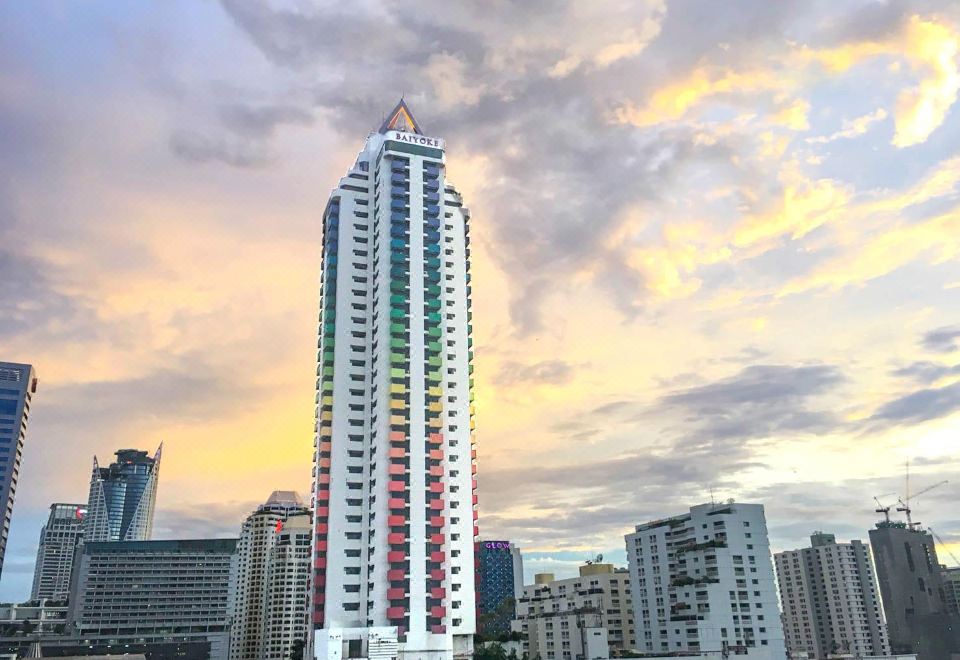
{"x":267,"y":598}
{"x":395,"y":471}
{"x":18,"y":384}
{"x":830,"y":599}
{"x":703,"y":582}
{"x":918,"y":618}
{"x":122,"y":497}
{"x":58,"y":541}
{"x":499,"y":584}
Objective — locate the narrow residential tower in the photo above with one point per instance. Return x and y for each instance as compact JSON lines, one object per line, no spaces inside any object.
{"x":395,"y":502}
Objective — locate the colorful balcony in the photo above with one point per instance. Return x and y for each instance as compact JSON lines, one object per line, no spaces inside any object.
{"x":396,"y":556}
{"x":437,"y":539}
{"x":398,"y":436}
{"x":438,"y":556}
{"x":436,"y":454}
{"x":397,"y":452}
{"x":395,"y":503}
{"x":436,"y":471}
{"x":437,"y":574}
{"x":437,"y":521}
{"x":436,"y":505}
{"x":394,"y":613}
{"x":396,"y":520}
{"x":438,"y":611}
{"x":396,"y":574}
{"x":394,"y":468}
{"x":436,"y":487}
{"x":398,"y":487}
{"x":396,"y":538}
{"x":438,"y":592}
{"x":396,"y":593}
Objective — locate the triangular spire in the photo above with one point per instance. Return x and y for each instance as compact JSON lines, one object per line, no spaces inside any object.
{"x":401,"y":119}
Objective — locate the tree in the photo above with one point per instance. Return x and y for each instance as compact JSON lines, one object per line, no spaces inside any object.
{"x":296,"y":650}
{"x":490,"y":651}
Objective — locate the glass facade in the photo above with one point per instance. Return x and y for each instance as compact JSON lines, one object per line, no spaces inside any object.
{"x":18,"y":383}
{"x":122,"y":497}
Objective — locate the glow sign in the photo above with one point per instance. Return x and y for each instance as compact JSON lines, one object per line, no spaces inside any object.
{"x":496,"y":545}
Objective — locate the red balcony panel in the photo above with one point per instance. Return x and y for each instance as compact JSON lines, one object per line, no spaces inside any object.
{"x":437,"y":574}
{"x":395,"y":538}
{"x":323,"y":511}
{"x":323,"y":495}
{"x":397,"y":452}
{"x":436,"y":454}
{"x":319,"y":598}
{"x":438,"y":556}
{"x":324,"y":462}
{"x":396,"y":612}
{"x":322,"y":528}
{"x":319,"y":582}
{"x":323,"y":479}
{"x":473,"y":468}
{"x":321,"y":546}
{"x":438,"y":611}
{"x":438,"y":629}
{"x":435,"y":471}
{"x":476,"y":531}
{"x":473,"y":484}
{"x":437,"y":521}
{"x":396,"y":521}
{"x":395,"y":574}
{"x":438,"y":592}
{"x":473,"y":454}
{"x":396,"y":556}
{"x":394,"y":468}
{"x":437,"y":539}
{"x":396,"y":593}
{"x":436,"y":505}
{"x":475,"y":499}
{"x":436,"y":438}
{"x":396,"y":486}
{"x":436,"y":487}
{"x":320,"y":562}
{"x":397,"y":436}
{"x":396,"y":503}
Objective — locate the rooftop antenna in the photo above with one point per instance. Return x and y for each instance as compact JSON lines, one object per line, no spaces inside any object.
{"x":908,"y":510}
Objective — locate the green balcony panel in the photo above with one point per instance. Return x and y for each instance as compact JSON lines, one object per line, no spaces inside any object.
{"x":397,"y":328}
{"x":435,"y":362}
{"x":328,"y":371}
{"x":397,"y":314}
{"x":434,"y":346}
{"x":398,"y":343}
{"x":398,"y":358}
{"x":398,"y":373}
{"x":398,"y":300}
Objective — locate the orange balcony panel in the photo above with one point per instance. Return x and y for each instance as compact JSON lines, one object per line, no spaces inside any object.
{"x":436,"y":437}
{"x":436,"y":487}
{"x":394,"y":468}
{"x":398,"y":487}
{"x":399,"y":436}
{"x":396,"y":503}
{"x":396,"y":521}
{"x":397,"y":452}
{"x":438,"y":592}
{"x":436,"y":505}
{"x":435,"y":471}
{"x":396,"y":556}
{"x":438,"y":557}
{"x":396,"y":574}
{"x":438,"y":611}
{"x":396,"y":593}
{"x":395,"y":612}
{"x":436,"y":454}
{"x":324,"y":462}
{"x":437,"y":521}
{"x":395,"y":538}
{"x":437,"y":539}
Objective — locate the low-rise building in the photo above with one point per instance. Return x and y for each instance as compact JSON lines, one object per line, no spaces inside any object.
{"x":569,"y":619}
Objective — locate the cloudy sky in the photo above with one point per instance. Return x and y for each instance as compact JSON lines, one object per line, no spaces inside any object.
{"x":716,"y":249}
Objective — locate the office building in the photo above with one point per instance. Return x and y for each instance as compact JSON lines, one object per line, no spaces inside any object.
{"x":911,"y":587}
{"x":951,"y":589}
{"x":273,"y":581}
{"x":702,"y":582}
{"x":18,"y":384}
{"x":171,"y":594}
{"x":58,"y":542}
{"x":499,"y":582}
{"x":831,"y":603}
{"x":560,"y":619}
{"x":122,"y":497}
{"x":395,"y":470}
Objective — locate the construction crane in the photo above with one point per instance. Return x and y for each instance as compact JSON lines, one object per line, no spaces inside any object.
{"x":944,"y":546}
{"x":885,"y":510}
{"x":905,"y":506}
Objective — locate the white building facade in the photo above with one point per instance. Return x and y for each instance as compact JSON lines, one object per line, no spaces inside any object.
{"x":831,"y":602}
{"x":395,"y":502}
{"x":577,"y":618}
{"x":59,"y":538}
{"x":269,"y":595}
{"x":703,"y":582}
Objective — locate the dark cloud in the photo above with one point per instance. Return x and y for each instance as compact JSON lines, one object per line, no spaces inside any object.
{"x":919,"y":406}
{"x":548,"y":372}
{"x":199,"y":148}
{"x":261,"y":121}
{"x":926,"y":372}
{"x":942,"y":340}
{"x":203,"y":520}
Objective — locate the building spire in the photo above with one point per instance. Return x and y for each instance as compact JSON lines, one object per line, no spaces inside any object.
{"x":401,"y":119}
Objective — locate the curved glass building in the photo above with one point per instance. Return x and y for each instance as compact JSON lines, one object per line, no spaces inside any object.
{"x":122,"y":497}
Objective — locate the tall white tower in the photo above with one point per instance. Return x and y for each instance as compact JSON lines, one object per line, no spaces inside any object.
{"x":395,"y":472}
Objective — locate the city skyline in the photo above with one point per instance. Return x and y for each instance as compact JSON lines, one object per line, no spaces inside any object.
{"x":691,"y":272}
